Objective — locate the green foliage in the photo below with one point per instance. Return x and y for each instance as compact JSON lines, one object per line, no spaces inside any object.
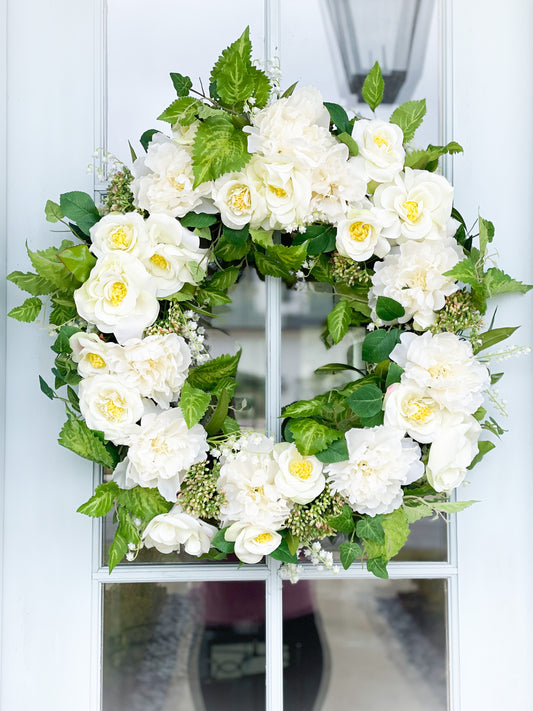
{"x":236,"y":237}
{"x":147,"y":136}
{"x":319,"y":238}
{"x":32,"y":283}
{"x":339,"y":319}
{"x":484,"y":446}
{"x":373,"y":87}
{"x":486,"y":234}
{"x":101,"y":502}
{"x":143,"y":503}
{"x":207,"y":375}
{"x":349,"y":552}
{"x":78,"y":260}
{"x":371,"y":529}
{"x":28,"y":311}
{"x":80,"y":208}
{"x":193,"y":403}
{"x":221,"y":544}
{"x":221,"y":411}
{"x":396,"y":529}
{"x":408,"y":116}
{"x":125,"y":534}
{"x":394,"y":374}
{"x":219,"y":147}
{"x":378,"y":344}
{"x":415,"y":513}
{"x":453,"y":506}
{"x":283,"y":552}
{"x":348,"y":141}
{"x":429,"y":159}
{"x":183,"y":111}
{"x":81,"y":440}
{"x":378,"y":567}
{"x":336,"y":452}
{"x":366,"y":401}
{"x":181,"y":83}
{"x":311,"y":437}
{"x":53,"y":211}
{"x":343,"y":523}
{"x":492,"y":337}
{"x":48,"y":266}
{"x":339,"y":117}
{"x":46,"y":389}
{"x":389,"y":309}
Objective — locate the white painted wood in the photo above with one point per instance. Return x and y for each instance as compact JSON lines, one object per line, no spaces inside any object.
{"x":493,"y":88}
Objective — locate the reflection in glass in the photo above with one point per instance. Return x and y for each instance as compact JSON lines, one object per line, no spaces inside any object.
{"x":377,"y":645}
{"x":186,"y":646}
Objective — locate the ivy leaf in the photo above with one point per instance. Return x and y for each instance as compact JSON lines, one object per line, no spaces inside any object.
{"x":219,"y":147}
{"x":32,"y":283}
{"x":339,"y":117}
{"x":28,"y":311}
{"x":101,"y":502}
{"x":311,"y":437}
{"x":183,"y":111}
{"x":378,"y":344}
{"x":366,"y":401}
{"x":232,"y":72}
{"x":373,"y":87}
{"x":125,"y":534}
{"x":454,"y":506}
{"x":53,"y":211}
{"x":408,"y":116}
{"x":389,"y":309}
{"x":343,"y":523}
{"x":147,"y":136}
{"x":182,"y":84}
{"x":492,"y":337}
{"x":336,"y":452}
{"x":497,"y":281}
{"x":78,"y":260}
{"x":371,"y":529}
{"x":144,"y":503}
{"x":339,"y":319}
{"x":77,"y":437}
{"x":80,"y":208}
{"x":193,"y":403}
{"x":378,"y":567}
{"x":349,"y":552}
{"x":207,"y":375}
{"x":396,"y":529}
{"x":221,"y":544}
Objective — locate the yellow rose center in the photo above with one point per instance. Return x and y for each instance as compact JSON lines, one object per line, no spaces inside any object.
{"x":121,"y":239}
{"x":118,"y":292}
{"x":380,"y":142}
{"x":263,"y":538}
{"x":421,"y":413}
{"x":240,"y":198}
{"x":257,"y":490}
{"x":278,"y":192}
{"x":177,"y":184}
{"x":159,"y":261}
{"x":438,"y":371}
{"x":159,"y":445}
{"x":113,"y":410}
{"x":411,"y":208}
{"x":418,"y":279}
{"x":365,"y":468}
{"x":96,"y":361}
{"x":359,"y":231}
{"x":302,"y":470}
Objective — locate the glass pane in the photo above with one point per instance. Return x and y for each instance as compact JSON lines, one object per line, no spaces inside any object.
{"x":365,"y":645}
{"x":186,"y":646}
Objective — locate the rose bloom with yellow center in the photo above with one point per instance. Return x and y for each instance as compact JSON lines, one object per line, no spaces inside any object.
{"x":252,"y":542}
{"x":300,"y":478}
{"x":359,"y":236}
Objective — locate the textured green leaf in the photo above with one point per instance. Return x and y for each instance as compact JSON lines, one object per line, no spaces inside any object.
{"x":48,"y":266}
{"x":290,"y":257}
{"x":125,"y":534}
{"x":236,"y":237}
{"x":336,"y":452}
{"x":261,"y":86}
{"x":230,"y":426}
{"x":77,"y":437}
{"x":181,"y":83}
{"x":229,"y":252}
{"x":349,"y":552}
{"x":232,"y":74}
{"x":101,"y":502}
{"x":454,"y":506}
{"x":396,"y":528}
{"x":61,"y":344}
{"x":262,"y":237}
{"x":78,"y":260}
{"x":484,"y":446}
{"x":415,"y":513}
{"x":320,"y":239}
{"x":497,"y":281}
{"x":373,"y":87}
{"x":343,"y":523}
{"x":80,"y":208}
{"x":366,"y":401}
{"x":465,"y":271}
{"x":183,"y":111}
{"x":311,"y":437}
{"x":193,"y":403}
{"x":339,"y":117}
{"x":492,"y":337}
{"x":207,"y":375}
{"x":225,"y":278}
{"x":219,"y":147}
{"x":28,"y":311}
{"x":371,"y":529}
{"x":339,"y":319}
{"x":389,"y":309}
{"x":486,"y":234}
{"x":408,"y":117}
{"x":335,"y":368}
{"x":219,"y":415}
{"x":271,"y":266}
{"x":32,"y":283}
{"x":63,"y":311}
{"x":53,"y":211}
{"x":304,"y":408}
{"x":394,"y":374}
{"x":143,"y":503}
{"x":378,"y":344}
{"x":283,"y":553}
{"x":428,"y":159}
{"x":378,"y":567}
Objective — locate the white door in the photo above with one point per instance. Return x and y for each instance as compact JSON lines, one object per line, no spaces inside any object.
{"x":55,"y":116}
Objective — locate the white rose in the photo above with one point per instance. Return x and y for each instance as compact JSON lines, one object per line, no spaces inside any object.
{"x":452,"y":451}
{"x":380,"y":144}
{"x":157,"y":366}
{"x":300,"y":479}
{"x":96,"y":357}
{"x":161,"y":452}
{"x":416,"y":206}
{"x":359,"y":236}
{"x":252,"y":542}
{"x":118,"y":297}
{"x":381,"y":460}
{"x":167,"y":532}
{"x":120,"y":233}
{"x":445,"y":365}
{"x":238,"y":200}
{"x":413,"y":275}
{"x":110,"y":406}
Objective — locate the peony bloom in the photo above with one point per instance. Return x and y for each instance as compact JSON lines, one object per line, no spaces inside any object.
{"x":413,"y":275}
{"x":381,"y":146}
{"x":381,"y":460}
{"x":359,"y":236}
{"x":110,"y":406}
{"x":416,"y":206}
{"x":453,"y":449}
{"x":118,"y":297}
{"x":120,"y":233}
{"x":167,"y":532}
{"x":96,"y":357}
{"x":299,"y":479}
{"x":445,"y":365}
{"x":161,"y":452}
{"x":252,"y":541}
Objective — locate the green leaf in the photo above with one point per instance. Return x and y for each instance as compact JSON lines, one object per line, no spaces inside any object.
{"x":32,"y":283}
{"x":225,"y":278}
{"x":492,"y":337}
{"x":219,"y":147}
{"x":290,"y":91}
{"x":415,"y":513}
{"x":311,"y":437}
{"x":378,"y":567}
{"x":349,"y":552}
{"x":262,"y":237}
{"x":236,"y":237}
{"x":394,"y":374}
{"x":198,"y":219}
{"x":336,"y":452}
{"x":101,"y":503}
{"x":389,"y":309}
{"x":228,"y":252}
{"x":378,"y":344}
{"x":453,"y":506}
{"x":183,"y":111}
{"x":125,"y":534}
{"x":371,"y":529}
{"x":290,"y":257}
{"x":182,"y":84}
{"x":320,"y":239}
{"x":232,"y":72}
{"x":373,"y":87}
{"x":48,"y":266}
{"x":497,"y":281}
{"x":207,"y":375}
{"x":484,"y":446}
{"x":132,"y":152}
{"x":408,"y":117}
{"x":147,"y":136}
{"x":144,"y":503}
{"x":366,"y":401}
{"x":64,"y":310}
{"x":78,"y":260}
{"x":339,"y":319}
{"x":283,"y":553}
{"x":339,"y":117}
{"x":293,"y":543}
{"x":46,"y":389}
{"x":303,"y":408}
{"x":28,"y":311}
{"x":230,"y":426}
{"x":61,"y":344}
{"x":261,"y":86}
{"x":53,"y":211}
{"x":343,"y":523}
{"x":80,"y":208}
{"x":270,"y":266}
{"x":77,"y":437}
{"x":396,"y":528}
{"x":465,"y":271}
{"x":486,"y":234}
{"x":193,"y":403}
{"x":221,"y":544}
{"x":219,"y":415}
{"x":353,"y":148}
{"x":428,"y":159}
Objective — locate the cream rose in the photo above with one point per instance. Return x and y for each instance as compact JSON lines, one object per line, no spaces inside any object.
{"x":252,"y":542}
{"x":300,"y":479}
{"x":168,"y":532}
{"x":359,"y":236}
{"x":120,"y":233}
{"x":239,"y":201}
{"x":381,"y":145}
{"x":452,"y":451}
{"x":96,"y":357}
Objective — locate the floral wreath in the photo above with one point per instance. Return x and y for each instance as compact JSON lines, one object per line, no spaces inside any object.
{"x":292,"y":186}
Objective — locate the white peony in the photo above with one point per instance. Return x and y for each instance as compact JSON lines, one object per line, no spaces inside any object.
{"x":96,"y":357}
{"x":167,"y":532}
{"x":239,"y":201}
{"x":118,"y":297}
{"x":161,"y":452}
{"x":381,"y":146}
{"x":416,"y":206}
{"x":413,"y":275}
{"x":120,"y":233}
{"x":300,"y":478}
{"x":252,"y":541}
{"x":445,"y":365}
{"x":359,"y":236}
{"x":381,"y":460}
{"x":451,"y":452}
{"x":110,"y":406}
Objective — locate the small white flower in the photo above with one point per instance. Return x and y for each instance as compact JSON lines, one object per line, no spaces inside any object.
{"x":381,"y":145}
{"x":252,"y":542}
{"x":167,"y":532}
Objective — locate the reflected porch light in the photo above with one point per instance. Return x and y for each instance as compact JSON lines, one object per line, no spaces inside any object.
{"x":393,"y":32}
